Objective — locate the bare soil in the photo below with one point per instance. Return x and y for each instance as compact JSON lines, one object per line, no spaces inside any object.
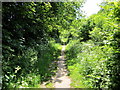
{"x":61,"y":80}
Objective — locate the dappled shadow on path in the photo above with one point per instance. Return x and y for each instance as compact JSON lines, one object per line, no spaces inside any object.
{"x":61,"y":80}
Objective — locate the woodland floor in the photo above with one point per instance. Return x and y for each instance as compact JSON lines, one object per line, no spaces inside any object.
{"x":61,"y":80}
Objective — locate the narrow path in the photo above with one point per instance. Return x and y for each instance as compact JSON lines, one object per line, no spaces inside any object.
{"x":61,"y":80}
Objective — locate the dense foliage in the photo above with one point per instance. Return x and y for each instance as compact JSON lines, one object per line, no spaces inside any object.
{"x":32,"y":32}
{"x":94,"y":55}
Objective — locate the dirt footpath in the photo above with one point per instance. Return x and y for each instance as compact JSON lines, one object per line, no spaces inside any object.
{"x":61,"y":80}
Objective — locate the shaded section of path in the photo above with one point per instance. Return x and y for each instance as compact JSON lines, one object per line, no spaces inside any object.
{"x":61,"y":80}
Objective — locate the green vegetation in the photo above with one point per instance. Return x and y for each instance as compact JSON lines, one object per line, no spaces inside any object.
{"x":33,"y":33}
{"x":93,"y":56}
{"x":31,"y":40}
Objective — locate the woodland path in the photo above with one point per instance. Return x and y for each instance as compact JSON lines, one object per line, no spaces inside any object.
{"x":61,"y":79}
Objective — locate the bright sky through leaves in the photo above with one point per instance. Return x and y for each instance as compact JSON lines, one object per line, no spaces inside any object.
{"x":91,"y":7}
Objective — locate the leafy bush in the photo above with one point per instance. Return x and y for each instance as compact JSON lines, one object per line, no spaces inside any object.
{"x":95,"y":61}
